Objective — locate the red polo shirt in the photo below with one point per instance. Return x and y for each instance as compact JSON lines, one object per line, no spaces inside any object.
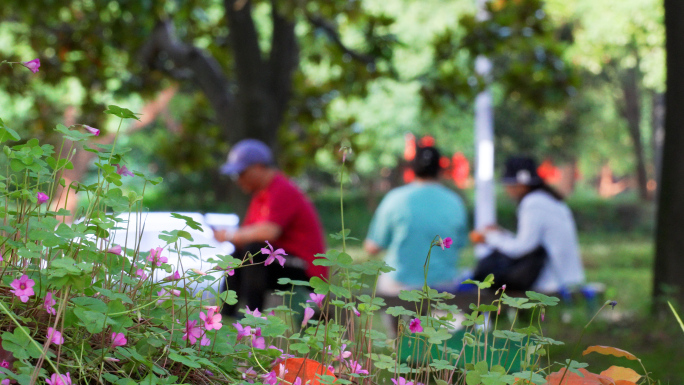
{"x":283,"y":204}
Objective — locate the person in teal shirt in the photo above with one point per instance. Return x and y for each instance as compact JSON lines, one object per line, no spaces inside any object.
{"x":407,"y":221}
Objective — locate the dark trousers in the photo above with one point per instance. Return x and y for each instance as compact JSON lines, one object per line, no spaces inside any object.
{"x":251,"y":283}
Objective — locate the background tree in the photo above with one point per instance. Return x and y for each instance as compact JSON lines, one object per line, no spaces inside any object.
{"x":669,"y":261}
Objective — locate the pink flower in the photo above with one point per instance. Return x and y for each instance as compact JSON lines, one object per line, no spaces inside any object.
{"x":123,"y":170}
{"x":344,"y":354}
{"x":242,"y":331}
{"x":174,"y":277}
{"x":118,"y":339}
{"x":156,"y":258}
{"x":250,"y":375}
{"x":59,"y":379}
{"x":48,"y":303}
{"x":297,"y":381}
{"x":196,"y":271}
{"x":192,"y":331}
{"x":446,"y":243}
{"x":33,"y":65}
{"x":273,"y":255}
{"x":141,"y":273}
{"x":115,"y":250}
{"x":92,"y":130}
{"x":258,"y":342}
{"x":23,"y":287}
{"x":414,"y":326}
{"x":6,"y":381}
{"x":308,"y":313}
{"x":230,"y":272}
{"x":402,"y":381}
{"x":205,"y":341}
{"x":211,"y":319}
{"x":42,"y":198}
{"x":255,"y":313}
{"x":317,"y":299}
{"x":271,"y":378}
{"x":55,"y":336}
{"x":356,"y":368}
{"x":356,"y":311}
{"x":1,"y":258}
{"x":4,"y":364}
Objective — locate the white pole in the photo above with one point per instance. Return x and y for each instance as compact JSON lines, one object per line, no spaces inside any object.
{"x":485,"y":194}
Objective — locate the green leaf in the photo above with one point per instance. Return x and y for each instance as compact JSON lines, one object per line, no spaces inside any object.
{"x":189,"y":221}
{"x":185,"y":360}
{"x":229,"y":296}
{"x":123,"y":113}
{"x":543,"y":299}
{"x":319,"y":285}
{"x":399,"y":311}
{"x":7,"y":133}
{"x":20,"y":344}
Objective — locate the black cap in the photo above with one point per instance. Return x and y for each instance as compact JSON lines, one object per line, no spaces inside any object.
{"x":521,"y":170}
{"x":426,"y":162}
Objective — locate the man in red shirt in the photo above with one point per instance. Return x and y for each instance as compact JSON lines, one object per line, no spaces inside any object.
{"x":278,"y":213}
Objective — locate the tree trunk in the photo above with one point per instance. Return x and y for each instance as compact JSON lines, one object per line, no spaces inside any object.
{"x":631,"y":110}
{"x":669,"y":261}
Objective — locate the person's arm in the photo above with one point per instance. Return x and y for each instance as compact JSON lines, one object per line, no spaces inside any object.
{"x":371,"y":247}
{"x":258,"y":232}
{"x":528,"y":238}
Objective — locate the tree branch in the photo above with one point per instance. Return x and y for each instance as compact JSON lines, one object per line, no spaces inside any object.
{"x":283,"y":61}
{"x":331,"y":31}
{"x":189,"y":61}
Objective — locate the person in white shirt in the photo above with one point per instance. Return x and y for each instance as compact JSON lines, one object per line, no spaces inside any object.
{"x":546,"y":229}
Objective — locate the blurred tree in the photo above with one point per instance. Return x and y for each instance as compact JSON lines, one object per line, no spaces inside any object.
{"x":246,"y":57}
{"x":531,"y":80}
{"x":626,"y":53}
{"x":669,"y":260}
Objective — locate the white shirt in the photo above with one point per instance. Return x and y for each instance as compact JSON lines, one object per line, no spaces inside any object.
{"x":545,"y":221}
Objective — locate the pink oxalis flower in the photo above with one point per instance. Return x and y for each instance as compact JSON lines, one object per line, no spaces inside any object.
{"x":116,"y":249}
{"x":308,"y":313}
{"x":173,"y":277}
{"x":140,"y":273}
{"x":123,"y":170}
{"x":245,"y":331}
{"x":32,"y":65}
{"x":55,"y":336}
{"x":414,"y":326}
{"x":211,"y":319}
{"x":270,"y":378}
{"x":250,"y":375}
{"x":118,"y":339}
{"x":49,"y":302}
{"x":356,"y":368}
{"x":156,"y":258}
{"x":59,"y":379}
{"x":402,"y":381}
{"x":446,"y":243}
{"x":42,"y":197}
{"x":192,"y":331}
{"x":164,"y":294}
{"x":23,"y":287}
{"x":317,"y":299}
{"x":4,"y":364}
{"x":278,"y":254}
{"x":92,"y":130}
{"x":356,"y":312}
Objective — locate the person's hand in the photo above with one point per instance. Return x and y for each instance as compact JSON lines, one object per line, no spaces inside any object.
{"x":222,"y":235}
{"x":493,"y":227}
{"x":476,"y":237}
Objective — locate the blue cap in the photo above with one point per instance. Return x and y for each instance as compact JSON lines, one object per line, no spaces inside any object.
{"x":246,"y":153}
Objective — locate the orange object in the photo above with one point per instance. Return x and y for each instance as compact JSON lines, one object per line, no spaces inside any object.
{"x":306,"y":369}
{"x":548,"y":172}
{"x":476,"y":237}
{"x":409,"y":175}
{"x":618,"y":373}
{"x":409,"y":147}
{"x":427,"y":141}
{"x":460,"y":170}
{"x":608,"y":350}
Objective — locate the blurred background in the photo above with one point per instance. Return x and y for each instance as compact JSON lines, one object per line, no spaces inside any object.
{"x":579,"y":84}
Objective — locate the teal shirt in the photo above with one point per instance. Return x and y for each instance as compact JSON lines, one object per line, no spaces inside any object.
{"x":406,"y":222}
